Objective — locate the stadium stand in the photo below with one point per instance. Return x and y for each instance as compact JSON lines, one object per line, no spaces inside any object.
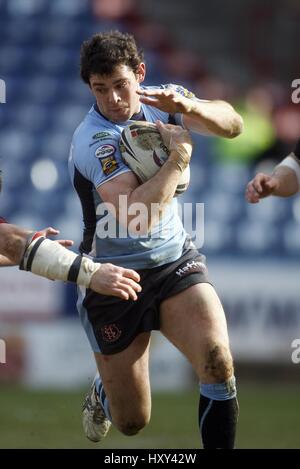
{"x":39,"y":47}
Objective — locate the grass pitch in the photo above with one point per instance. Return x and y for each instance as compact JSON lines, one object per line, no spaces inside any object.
{"x":269,"y":418}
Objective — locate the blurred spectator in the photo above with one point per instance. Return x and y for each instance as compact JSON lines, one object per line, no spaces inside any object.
{"x":259,"y":132}
{"x":286,"y":121}
{"x":112,"y":9}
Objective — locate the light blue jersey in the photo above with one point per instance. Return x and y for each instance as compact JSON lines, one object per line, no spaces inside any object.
{"x":94,"y":160}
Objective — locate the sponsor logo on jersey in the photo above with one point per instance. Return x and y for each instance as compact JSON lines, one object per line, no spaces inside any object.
{"x":105,"y":150}
{"x":101,"y":135}
{"x":106,"y":155}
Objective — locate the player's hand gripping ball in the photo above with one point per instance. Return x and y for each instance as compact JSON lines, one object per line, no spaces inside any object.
{"x":143,"y":150}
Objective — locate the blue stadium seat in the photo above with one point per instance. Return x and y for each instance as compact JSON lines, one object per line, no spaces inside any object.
{"x":291,"y":237}
{"x":69,"y":116}
{"x":69,"y":8}
{"x":271,"y":209}
{"x":22,"y":33}
{"x":28,"y":220}
{"x":42,"y":89}
{"x":27,"y":8}
{"x":295,"y":208}
{"x":56,"y":145}
{"x":218,"y":237}
{"x":56,"y":60}
{"x":76,"y":91}
{"x":11,"y":59}
{"x":223,"y":206}
{"x":230,"y":177}
{"x":31,"y":116}
{"x":256,"y":237}
{"x":70,"y":227}
{"x":16,"y":144}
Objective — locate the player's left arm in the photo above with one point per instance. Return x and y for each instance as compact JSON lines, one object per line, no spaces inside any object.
{"x":216,"y":118}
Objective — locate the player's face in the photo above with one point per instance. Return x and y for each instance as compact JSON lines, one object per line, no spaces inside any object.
{"x":116,"y":94}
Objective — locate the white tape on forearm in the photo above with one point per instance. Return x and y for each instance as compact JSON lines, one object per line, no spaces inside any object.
{"x":291,"y":163}
{"x":53,"y":261}
{"x":183,"y":150}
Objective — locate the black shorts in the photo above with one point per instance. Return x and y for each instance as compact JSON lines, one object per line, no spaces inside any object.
{"x":112,"y":324}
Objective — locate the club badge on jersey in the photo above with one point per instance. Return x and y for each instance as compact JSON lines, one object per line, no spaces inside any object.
{"x":109,"y":165}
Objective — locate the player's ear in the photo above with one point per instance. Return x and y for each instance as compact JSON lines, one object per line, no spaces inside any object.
{"x":141,"y":72}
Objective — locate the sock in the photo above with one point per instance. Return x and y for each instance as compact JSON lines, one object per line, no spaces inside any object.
{"x":218,"y":414}
{"x":102,"y":397}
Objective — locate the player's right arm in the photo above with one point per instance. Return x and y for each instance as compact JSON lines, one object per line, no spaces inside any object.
{"x":158,"y":190}
{"x":283,"y":182}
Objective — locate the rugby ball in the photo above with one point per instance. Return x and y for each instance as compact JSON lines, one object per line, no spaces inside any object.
{"x":143,"y":150}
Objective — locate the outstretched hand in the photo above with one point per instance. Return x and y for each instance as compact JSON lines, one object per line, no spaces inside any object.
{"x":112,"y":280}
{"x":46,"y":232}
{"x":262,"y":185}
{"x":166,"y":100}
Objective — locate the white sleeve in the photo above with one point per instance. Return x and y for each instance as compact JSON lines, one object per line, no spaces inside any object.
{"x":291,"y":163}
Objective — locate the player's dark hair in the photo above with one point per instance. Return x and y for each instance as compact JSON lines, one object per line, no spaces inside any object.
{"x":104,"y":51}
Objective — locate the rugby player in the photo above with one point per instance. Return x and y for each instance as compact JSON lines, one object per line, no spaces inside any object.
{"x":177,"y":297}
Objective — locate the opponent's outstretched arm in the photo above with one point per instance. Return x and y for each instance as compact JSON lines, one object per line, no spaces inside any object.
{"x":283,"y":182}
{"x":50,"y":259}
{"x":13,"y":240}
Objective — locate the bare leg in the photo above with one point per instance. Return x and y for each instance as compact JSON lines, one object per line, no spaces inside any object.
{"x":194,"y":322}
{"x":125,"y":377}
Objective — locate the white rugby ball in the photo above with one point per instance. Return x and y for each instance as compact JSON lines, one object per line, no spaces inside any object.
{"x":144,"y":151}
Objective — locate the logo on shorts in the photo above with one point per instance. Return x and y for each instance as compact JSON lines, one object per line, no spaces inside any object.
{"x":190,"y":268}
{"x":110,"y":333}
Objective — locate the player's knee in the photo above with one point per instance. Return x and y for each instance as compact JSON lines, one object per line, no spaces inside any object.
{"x":219,"y":363}
{"x":132,"y":426}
